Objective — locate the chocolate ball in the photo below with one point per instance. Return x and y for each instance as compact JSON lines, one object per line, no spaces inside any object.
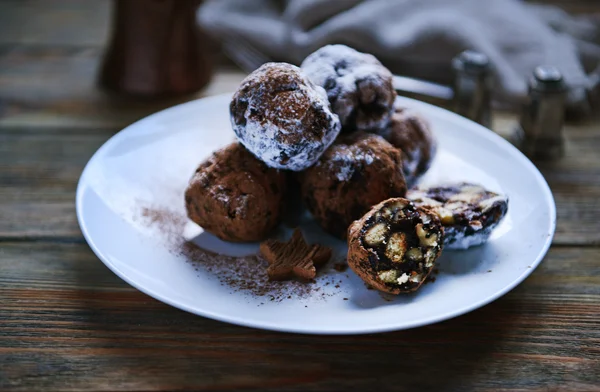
{"x":235,"y":196}
{"x":358,"y":171}
{"x":411,"y":133}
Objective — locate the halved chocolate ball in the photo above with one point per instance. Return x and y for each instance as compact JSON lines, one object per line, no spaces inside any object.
{"x":394,"y":246}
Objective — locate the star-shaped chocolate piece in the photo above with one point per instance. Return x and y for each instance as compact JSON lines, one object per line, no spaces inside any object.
{"x":293,"y":258}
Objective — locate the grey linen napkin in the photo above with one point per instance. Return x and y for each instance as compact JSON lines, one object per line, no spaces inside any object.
{"x":419,"y":37}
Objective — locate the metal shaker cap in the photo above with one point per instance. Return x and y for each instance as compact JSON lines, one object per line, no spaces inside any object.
{"x":547,"y":78}
{"x":542,"y":119}
{"x":472,"y":87}
{"x":471,"y":62}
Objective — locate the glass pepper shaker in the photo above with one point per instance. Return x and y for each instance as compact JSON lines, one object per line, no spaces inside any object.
{"x":540,"y":132}
{"x":472,"y":87}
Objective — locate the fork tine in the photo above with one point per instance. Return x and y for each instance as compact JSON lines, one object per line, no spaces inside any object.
{"x":237,"y":55}
{"x":244,"y":54}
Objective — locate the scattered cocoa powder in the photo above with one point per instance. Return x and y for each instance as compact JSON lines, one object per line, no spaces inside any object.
{"x":168,"y":222}
{"x":247,"y":274}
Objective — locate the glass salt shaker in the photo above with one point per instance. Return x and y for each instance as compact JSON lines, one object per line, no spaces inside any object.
{"x":472,"y":87}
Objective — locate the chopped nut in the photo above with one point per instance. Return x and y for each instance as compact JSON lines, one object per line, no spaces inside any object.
{"x":425,"y":238}
{"x":476,"y":225}
{"x":424,"y":217}
{"x":445,"y":216}
{"x":456,"y":205}
{"x":403,"y":279}
{"x":396,"y":247}
{"x":376,"y":234}
{"x":416,"y":278}
{"x":414,"y":254}
{"x":467,"y":194}
{"x":489,"y":203}
{"x":426,"y":200}
{"x":430,"y":257}
{"x":398,"y":216}
{"x":398,"y":205}
{"x":388,"y":276}
{"x":385,"y":213}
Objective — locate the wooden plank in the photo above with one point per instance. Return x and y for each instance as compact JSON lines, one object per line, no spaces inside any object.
{"x":38,"y":178}
{"x":573,"y":179}
{"x":56,"y":86}
{"x":55,"y":22}
{"x":68,"y":323}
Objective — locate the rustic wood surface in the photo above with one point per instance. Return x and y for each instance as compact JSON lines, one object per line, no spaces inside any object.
{"x":68,"y":323}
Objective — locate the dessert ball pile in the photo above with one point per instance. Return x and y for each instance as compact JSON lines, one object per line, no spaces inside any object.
{"x":334,"y":127}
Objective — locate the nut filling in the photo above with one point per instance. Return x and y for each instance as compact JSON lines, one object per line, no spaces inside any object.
{"x":468,"y":212}
{"x":398,"y":243}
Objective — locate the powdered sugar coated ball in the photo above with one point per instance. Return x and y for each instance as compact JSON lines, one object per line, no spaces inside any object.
{"x":358,"y":86}
{"x":280,"y":116}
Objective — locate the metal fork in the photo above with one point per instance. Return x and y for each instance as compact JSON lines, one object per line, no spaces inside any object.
{"x":241,"y":52}
{"x":248,"y":58}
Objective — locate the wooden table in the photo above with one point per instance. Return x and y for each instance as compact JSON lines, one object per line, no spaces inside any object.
{"x":68,"y":323}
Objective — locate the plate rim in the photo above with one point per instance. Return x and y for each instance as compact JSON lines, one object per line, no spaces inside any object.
{"x":380,"y":328}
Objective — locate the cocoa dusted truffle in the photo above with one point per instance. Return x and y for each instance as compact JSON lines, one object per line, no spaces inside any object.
{"x":358,"y":171}
{"x":358,"y":86}
{"x":411,"y":134}
{"x":282,"y":117}
{"x":235,"y":196}
{"x":394,"y":246}
{"x":468,"y":212}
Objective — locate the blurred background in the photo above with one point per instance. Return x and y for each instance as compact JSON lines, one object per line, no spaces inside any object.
{"x":56,"y":52}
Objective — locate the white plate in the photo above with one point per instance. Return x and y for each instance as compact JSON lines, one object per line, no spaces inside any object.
{"x":148,"y":164}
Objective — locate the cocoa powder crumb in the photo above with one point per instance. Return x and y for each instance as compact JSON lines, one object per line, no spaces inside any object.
{"x":340,"y":267}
